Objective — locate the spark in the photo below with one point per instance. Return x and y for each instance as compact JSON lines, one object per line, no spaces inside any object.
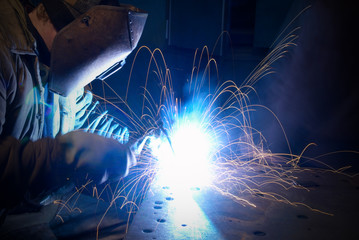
{"x":206,"y":141}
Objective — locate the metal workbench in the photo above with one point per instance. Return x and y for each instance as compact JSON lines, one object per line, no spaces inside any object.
{"x":206,"y":214}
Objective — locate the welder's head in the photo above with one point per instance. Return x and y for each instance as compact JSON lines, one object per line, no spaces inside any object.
{"x":94,"y":38}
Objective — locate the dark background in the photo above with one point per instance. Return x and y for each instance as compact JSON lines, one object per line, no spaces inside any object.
{"x":314,"y":90}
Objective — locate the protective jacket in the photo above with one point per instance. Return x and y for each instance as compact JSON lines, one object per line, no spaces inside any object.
{"x":30,"y":116}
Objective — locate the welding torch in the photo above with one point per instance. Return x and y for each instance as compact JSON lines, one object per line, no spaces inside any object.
{"x":153,"y":133}
{"x":165,"y":132}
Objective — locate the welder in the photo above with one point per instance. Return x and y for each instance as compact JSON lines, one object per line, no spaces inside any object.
{"x":48,"y":54}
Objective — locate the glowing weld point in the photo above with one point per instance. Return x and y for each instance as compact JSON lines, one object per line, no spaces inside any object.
{"x":188,"y":165}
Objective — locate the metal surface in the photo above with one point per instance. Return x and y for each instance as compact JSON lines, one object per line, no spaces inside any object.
{"x":209,"y":215}
{"x":164,"y":215}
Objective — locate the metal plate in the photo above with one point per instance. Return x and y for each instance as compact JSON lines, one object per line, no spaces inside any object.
{"x":209,"y":215}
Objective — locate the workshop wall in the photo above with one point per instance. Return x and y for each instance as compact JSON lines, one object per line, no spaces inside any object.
{"x":314,"y":90}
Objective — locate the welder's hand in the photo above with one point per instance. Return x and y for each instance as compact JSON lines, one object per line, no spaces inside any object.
{"x":105,"y":126}
{"x":137,"y":146}
{"x":84,"y":107}
{"x":97,"y":156}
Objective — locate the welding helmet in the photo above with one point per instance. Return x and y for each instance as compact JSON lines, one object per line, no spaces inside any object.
{"x":92,"y":42}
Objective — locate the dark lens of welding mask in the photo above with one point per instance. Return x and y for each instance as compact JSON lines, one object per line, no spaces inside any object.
{"x":114,"y":68}
{"x":94,"y":46}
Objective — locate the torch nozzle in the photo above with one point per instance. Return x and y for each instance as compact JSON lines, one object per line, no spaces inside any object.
{"x":165,"y":132}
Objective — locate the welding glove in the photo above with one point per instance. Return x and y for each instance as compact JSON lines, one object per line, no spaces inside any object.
{"x":35,"y":168}
{"x":84,"y":107}
{"x":96,"y":156}
{"x":105,"y":126}
{"x":139,"y":144}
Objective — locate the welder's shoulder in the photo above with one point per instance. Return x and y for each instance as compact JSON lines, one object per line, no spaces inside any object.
{"x":15,"y":40}
{"x":14,"y":33}
{"x":12,"y":17}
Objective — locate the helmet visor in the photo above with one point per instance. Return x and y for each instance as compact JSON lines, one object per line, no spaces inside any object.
{"x":94,"y":45}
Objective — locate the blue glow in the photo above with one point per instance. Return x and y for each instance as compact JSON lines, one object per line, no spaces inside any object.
{"x":187,"y":163}
{"x":189,"y":220}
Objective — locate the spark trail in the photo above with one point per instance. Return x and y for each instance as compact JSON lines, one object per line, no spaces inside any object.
{"x":212,"y":141}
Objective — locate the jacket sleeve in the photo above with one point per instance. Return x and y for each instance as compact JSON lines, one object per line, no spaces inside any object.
{"x":29,"y":169}
{"x":24,"y":166}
